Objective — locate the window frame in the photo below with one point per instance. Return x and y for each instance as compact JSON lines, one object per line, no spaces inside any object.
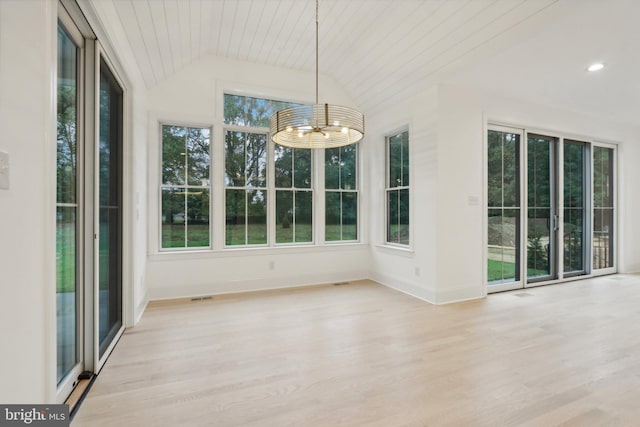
{"x":340,"y":192}
{"x":388,"y":189}
{"x":293,"y":189}
{"x":245,"y":188}
{"x":161,"y":185}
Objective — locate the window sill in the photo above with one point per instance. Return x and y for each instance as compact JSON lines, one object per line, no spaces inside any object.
{"x":405,"y":251}
{"x":254,"y":251}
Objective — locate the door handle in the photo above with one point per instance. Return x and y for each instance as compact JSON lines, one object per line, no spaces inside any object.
{"x":556,"y":223}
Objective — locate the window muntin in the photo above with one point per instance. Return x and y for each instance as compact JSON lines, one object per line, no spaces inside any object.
{"x":397,"y":191}
{"x":341,"y":193}
{"x":294,"y":195}
{"x":245,"y":188}
{"x":186,"y":188}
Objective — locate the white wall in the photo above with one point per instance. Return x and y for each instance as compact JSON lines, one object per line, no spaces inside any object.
{"x":27,"y":214}
{"x":414,"y":269}
{"x":462,"y":115}
{"x":194,"y":95}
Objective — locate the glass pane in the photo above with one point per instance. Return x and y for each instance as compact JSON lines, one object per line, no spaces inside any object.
{"x":538,"y":242}
{"x":603,"y":238}
{"x":403,"y":218}
{"x":284,"y":216}
{"x":304,"y":216}
{"x":511,"y":170}
{"x":197,"y":218}
{"x":110,"y":212}
{"x":66,"y":283}
{"x":256,"y":217}
{"x":256,"y":160}
{"x":67,"y":100}
{"x":234,"y":159}
{"x":602,"y":177}
{"x":574,"y":209}
{"x":405,"y":158}
{"x":494,"y":168}
{"x":173,"y":218}
{"x":67,"y":221}
{"x":510,"y":245}
{"x":332,"y":229}
{"x":393,"y":200}
{"x":350,"y":216}
{"x":395,"y":161}
{"x":283,"y":160}
{"x":332,"y":160}
{"x":503,"y":241}
{"x":539,"y":237}
{"x":254,"y":112}
{"x":198,"y":158}
{"x":174,"y":153}
{"x":302,"y":166}
{"x":235,"y":217}
{"x":348,"y":167}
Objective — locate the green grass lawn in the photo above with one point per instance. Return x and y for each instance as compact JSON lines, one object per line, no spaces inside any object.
{"x":497,"y":270}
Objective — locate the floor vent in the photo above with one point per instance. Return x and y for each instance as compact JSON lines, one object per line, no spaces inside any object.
{"x":201,"y":298}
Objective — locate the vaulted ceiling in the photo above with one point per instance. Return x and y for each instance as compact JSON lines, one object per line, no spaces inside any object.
{"x":378,"y":48}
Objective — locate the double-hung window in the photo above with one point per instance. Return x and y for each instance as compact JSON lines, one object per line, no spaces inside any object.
{"x":186,"y":187}
{"x":341,"y":193}
{"x":248,"y":183}
{"x":294,"y":195}
{"x":397,"y":189}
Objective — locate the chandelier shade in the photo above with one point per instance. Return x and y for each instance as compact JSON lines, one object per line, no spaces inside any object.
{"x":317,"y":126}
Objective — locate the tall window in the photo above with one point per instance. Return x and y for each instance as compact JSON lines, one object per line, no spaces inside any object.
{"x":294,"y":196}
{"x":185,"y":186}
{"x":603,"y":207}
{"x":341,"y":193}
{"x":246,"y":185}
{"x":246,"y":188}
{"x":397,"y":191}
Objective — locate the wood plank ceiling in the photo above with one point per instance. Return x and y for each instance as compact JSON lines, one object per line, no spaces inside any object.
{"x":370,"y":47}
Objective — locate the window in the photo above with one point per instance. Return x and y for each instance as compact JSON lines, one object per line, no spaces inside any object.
{"x":341,"y":193}
{"x":246,"y":185}
{"x":245,"y":188}
{"x":294,"y":196}
{"x":186,"y":188}
{"x":397,"y":191}
{"x":603,"y":207}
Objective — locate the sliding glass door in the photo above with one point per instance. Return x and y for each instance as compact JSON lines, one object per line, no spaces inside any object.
{"x":68,"y":214}
{"x":110,"y":209}
{"x":542,"y":214}
{"x":568,"y":210}
{"x":89,"y":204}
{"x":504,"y":213}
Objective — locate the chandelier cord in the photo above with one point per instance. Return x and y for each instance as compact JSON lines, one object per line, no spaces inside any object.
{"x":317,"y":1}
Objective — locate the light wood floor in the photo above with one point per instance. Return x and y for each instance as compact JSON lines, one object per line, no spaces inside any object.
{"x":365,"y":355}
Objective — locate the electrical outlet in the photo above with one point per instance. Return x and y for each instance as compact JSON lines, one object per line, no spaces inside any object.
{"x":4,"y":170}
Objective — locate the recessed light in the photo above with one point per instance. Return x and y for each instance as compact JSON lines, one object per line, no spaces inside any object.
{"x":596,"y":67}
